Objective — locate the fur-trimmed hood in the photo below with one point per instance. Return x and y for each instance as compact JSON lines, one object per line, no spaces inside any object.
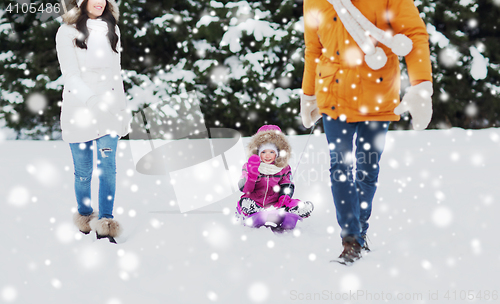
{"x":72,"y":11}
{"x":271,"y":136}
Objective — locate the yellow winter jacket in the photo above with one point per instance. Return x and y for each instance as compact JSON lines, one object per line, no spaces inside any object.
{"x":335,"y":70}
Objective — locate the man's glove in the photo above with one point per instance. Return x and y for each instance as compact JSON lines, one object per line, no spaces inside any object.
{"x":418,"y":102}
{"x":309,"y":111}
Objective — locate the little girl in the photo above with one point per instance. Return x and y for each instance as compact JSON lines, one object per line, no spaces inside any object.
{"x":266,"y":183}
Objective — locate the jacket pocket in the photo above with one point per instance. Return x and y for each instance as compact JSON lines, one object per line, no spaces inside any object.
{"x":70,"y":99}
{"x":325,"y":86}
{"x":380,"y":89}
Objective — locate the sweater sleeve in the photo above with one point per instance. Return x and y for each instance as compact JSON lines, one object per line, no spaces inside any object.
{"x":119,"y":46}
{"x":118,"y":66}
{"x":405,"y":19}
{"x":313,"y":48}
{"x":66,"y":54}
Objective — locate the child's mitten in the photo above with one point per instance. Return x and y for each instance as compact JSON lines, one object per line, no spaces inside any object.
{"x":309,"y":110}
{"x":252,"y":173}
{"x":253,"y":167}
{"x":418,"y":102}
{"x":283,"y":201}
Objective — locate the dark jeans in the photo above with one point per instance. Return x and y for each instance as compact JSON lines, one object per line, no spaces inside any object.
{"x":354,"y":176}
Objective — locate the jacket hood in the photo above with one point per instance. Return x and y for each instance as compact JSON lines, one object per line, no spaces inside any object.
{"x":71,"y":16}
{"x":276,"y":137}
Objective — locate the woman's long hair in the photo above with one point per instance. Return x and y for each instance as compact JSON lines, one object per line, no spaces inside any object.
{"x":81,"y":26}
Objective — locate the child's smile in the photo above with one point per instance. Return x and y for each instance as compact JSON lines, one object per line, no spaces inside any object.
{"x":268,"y":156}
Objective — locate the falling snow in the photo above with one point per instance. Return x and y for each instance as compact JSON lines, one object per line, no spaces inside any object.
{"x":432,"y":222}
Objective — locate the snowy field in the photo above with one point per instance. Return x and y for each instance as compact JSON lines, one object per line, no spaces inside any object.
{"x":433,"y":232}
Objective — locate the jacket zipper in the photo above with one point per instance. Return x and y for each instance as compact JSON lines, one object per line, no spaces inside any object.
{"x":265,"y":194}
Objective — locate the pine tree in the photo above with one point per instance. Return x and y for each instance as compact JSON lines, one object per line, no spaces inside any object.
{"x":172,"y":47}
{"x":457,"y":28}
{"x":239,"y":57}
{"x":30,"y":100}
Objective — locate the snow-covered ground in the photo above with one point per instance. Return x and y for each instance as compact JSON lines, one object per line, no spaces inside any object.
{"x":433,"y":232}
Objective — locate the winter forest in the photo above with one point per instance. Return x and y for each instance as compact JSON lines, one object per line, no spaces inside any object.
{"x":435,"y":213}
{"x":243,"y":58}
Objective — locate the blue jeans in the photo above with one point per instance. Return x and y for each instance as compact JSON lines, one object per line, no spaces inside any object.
{"x":83,"y":155}
{"x":354,"y":177}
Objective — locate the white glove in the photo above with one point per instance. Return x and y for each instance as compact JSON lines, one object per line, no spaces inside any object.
{"x":309,"y":111}
{"x":418,"y":102}
{"x":104,"y":102}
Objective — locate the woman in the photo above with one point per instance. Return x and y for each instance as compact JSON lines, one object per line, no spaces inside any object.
{"x":94,"y":106}
{"x":353,"y":81}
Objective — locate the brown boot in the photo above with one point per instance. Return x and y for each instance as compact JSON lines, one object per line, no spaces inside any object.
{"x":352,"y":250}
{"x":365,"y":246}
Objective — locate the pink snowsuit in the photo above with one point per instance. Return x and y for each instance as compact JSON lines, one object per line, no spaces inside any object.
{"x":268,"y":188}
{"x":269,"y":185}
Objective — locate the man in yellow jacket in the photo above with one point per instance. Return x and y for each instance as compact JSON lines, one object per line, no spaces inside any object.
{"x":352,"y":79}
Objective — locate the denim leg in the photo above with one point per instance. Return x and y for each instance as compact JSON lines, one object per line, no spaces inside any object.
{"x":106,"y":164}
{"x":340,"y":141}
{"x":370,"y":141}
{"x":83,"y":163}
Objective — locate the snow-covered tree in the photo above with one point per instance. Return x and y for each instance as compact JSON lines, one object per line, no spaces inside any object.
{"x":466,"y":64}
{"x":245,"y":60}
{"x":29,"y":96}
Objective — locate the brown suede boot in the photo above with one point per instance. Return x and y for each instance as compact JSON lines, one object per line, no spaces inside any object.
{"x":365,"y":246}
{"x":352,"y":250}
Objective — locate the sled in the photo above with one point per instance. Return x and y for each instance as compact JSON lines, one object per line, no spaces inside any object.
{"x":277,"y":219}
